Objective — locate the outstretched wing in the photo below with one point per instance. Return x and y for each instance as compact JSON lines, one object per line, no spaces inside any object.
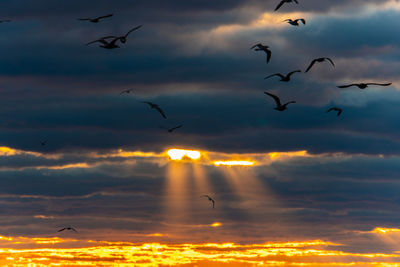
{"x":276,"y":74}
{"x":105,"y":16}
{"x":73,"y":229}
{"x":290,"y":73}
{"x":311,"y":65}
{"x":349,"y":85}
{"x":381,"y":84}
{"x":277,"y":100}
{"x":134,"y":29}
{"x":61,"y":230}
{"x":161,"y":112}
{"x":279,"y":5}
{"x":330,"y":60}
{"x":212,"y":200}
{"x":256,"y":45}
{"x":303,"y":20}
{"x":269,"y":54}
{"x":99,"y":40}
{"x":176,"y":127}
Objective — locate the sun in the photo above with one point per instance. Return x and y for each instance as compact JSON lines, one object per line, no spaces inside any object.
{"x":179,"y":154}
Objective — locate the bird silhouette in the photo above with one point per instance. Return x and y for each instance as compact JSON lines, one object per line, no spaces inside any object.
{"x":295,"y":22}
{"x":43,"y":143}
{"x":155,"y":106}
{"x":126,"y":91}
{"x":170,"y":130}
{"x":339,"y":110}
{"x":124,"y":37}
{"x":97,"y":19}
{"x":279,"y":105}
{"x":283,"y":77}
{"x":210,"y":199}
{"x":364,"y":85}
{"x":67,"y":228}
{"x":321,"y":59}
{"x":285,"y":1}
{"x":265,"y":48}
{"x":106,"y":44}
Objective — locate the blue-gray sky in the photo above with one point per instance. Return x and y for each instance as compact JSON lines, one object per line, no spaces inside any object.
{"x":193,"y":58}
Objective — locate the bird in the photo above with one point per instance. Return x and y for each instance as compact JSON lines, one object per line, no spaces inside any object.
{"x":170,"y":130}
{"x":321,"y":59}
{"x":279,"y":105}
{"x":264,"y":48}
{"x":283,"y":77}
{"x":210,"y":199}
{"x":339,"y":110}
{"x":123,"y":37}
{"x":67,"y":228}
{"x":126,"y":91}
{"x":95,"y":20}
{"x":295,"y":22}
{"x":285,"y":1}
{"x":5,"y":20}
{"x":106,"y":44}
{"x":364,"y":85}
{"x":43,"y":143}
{"x":157,"y":107}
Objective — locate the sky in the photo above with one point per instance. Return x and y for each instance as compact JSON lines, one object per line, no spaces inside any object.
{"x":301,"y":187}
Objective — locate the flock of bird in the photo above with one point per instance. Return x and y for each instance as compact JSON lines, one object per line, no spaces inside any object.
{"x":287,"y":77}
{"x":111,"y":42}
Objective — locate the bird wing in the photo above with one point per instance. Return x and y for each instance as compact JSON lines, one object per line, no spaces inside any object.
{"x":345,"y":86}
{"x":303,"y":20}
{"x":212,"y":200}
{"x":329,"y":110}
{"x":290,"y":73}
{"x":330,"y":60}
{"x":176,"y":127}
{"x":146,"y":102}
{"x":277,"y":100}
{"x":381,"y":84}
{"x":106,"y":16}
{"x":279,"y":5}
{"x":134,"y":29}
{"x":73,"y":229}
{"x":311,"y":64}
{"x":99,"y":40}
{"x":276,"y":74}
{"x":269,"y":54}
{"x":290,"y":102}
{"x":61,"y":230}
{"x":339,"y":111}
{"x":256,"y":45}
{"x":161,"y":112}
{"x":125,"y":91}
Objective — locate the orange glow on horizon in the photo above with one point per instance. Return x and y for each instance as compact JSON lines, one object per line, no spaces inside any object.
{"x":104,"y":253}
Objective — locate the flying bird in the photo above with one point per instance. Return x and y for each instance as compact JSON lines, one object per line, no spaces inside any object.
{"x":364,"y":85}
{"x":265,"y":48}
{"x":5,"y":20}
{"x":95,"y":20}
{"x":123,"y":37}
{"x":106,"y":44}
{"x":283,"y":77}
{"x":210,"y":199}
{"x":170,"y":130}
{"x":43,"y":143}
{"x":126,"y":91}
{"x":295,"y":22}
{"x":339,"y":110}
{"x":321,"y":59}
{"x":279,"y":105}
{"x":285,"y":1}
{"x":67,"y":228}
{"x":157,"y":107}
